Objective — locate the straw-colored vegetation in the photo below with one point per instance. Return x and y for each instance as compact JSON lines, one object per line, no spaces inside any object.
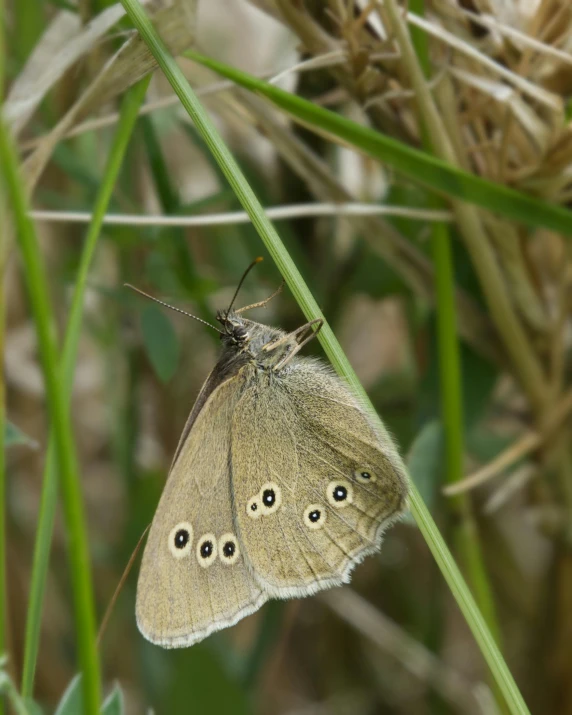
{"x":417,"y":160}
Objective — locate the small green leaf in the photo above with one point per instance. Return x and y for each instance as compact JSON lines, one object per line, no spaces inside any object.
{"x":478,"y":378}
{"x":13,"y":437}
{"x":374,"y":276}
{"x":114,"y":704}
{"x":72,"y":699}
{"x":32,"y":707}
{"x":8,"y":689}
{"x":425,"y":462}
{"x":161,"y":342}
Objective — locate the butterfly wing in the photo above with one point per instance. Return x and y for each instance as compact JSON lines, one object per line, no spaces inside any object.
{"x":193,"y":579}
{"x":315,"y":484}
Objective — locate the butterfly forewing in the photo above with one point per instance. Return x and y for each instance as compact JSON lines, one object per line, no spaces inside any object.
{"x":279,"y":486}
{"x":193,"y":577}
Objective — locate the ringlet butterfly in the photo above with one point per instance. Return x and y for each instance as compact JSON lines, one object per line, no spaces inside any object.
{"x":279,"y":486}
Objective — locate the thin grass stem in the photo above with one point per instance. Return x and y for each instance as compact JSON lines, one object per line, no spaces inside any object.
{"x":38,"y":294}
{"x":128,"y":117}
{"x":465,"y":532}
{"x":276,"y":213}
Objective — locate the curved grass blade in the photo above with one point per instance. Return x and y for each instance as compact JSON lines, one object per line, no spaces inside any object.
{"x":422,"y":168}
{"x":129,"y":112}
{"x":37,"y":287}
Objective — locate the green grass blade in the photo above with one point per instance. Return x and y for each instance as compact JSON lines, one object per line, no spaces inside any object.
{"x":427,"y":170}
{"x":27,"y":27}
{"x":128,"y":117}
{"x":38,"y":294}
{"x":328,"y":340}
{"x":465,"y":533}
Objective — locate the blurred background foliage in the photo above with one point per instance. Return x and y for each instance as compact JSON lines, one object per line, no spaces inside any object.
{"x":500,"y":76}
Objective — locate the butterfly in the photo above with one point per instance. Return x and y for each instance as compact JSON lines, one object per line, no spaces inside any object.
{"x":281,"y":484}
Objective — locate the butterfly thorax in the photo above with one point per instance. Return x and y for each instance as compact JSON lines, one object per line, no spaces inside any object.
{"x":249,"y":342}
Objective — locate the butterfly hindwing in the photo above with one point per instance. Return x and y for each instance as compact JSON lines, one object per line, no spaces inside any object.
{"x":324,"y":482}
{"x":183,"y":593}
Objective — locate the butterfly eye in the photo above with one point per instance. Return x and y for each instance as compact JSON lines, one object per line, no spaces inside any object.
{"x":180,"y":539}
{"x":270,"y":497}
{"x":228,"y":549}
{"x":206,"y":550}
{"x":314,"y":516}
{"x":365,"y":475}
{"x":340,"y":494}
{"x":253,"y":508}
{"x":240,"y":333}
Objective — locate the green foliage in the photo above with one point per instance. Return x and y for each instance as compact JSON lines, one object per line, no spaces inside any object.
{"x":449,"y":394}
{"x":160,"y":341}
{"x":72,"y":700}
{"x":425,"y":463}
{"x":14,"y":437}
{"x":432,"y":173}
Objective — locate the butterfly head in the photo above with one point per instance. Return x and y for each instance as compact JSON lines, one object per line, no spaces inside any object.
{"x":235,"y":329}
{"x":247,"y":337}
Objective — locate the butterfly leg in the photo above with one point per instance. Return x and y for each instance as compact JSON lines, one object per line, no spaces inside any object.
{"x":303,"y":335}
{"x":295,"y":334}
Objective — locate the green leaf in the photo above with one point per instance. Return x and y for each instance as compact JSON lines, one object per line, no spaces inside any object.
{"x":478,"y":378}
{"x":193,"y":680}
{"x":8,"y":689}
{"x":375,"y":277}
{"x":114,"y":703}
{"x":204,"y":683}
{"x":485,"y":443}
{"x":14,"y":437}
{"x":161,"y":342}
{"x":72,"y":700}
{"x":32,"y":707}
{"x":422,"y":168}
{"x":425,"y":462}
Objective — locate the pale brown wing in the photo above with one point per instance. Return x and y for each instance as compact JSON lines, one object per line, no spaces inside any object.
{"x":184,"y":592}
{"x":315,"y":484}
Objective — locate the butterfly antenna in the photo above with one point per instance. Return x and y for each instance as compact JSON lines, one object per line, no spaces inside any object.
{"x":119,"y":588}
{"x":172,"y":307}
{"x":246,"y":272}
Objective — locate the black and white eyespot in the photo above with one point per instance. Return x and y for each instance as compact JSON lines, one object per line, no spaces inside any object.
{"x":340,"y":493}
{"x":365,"y":475}
{"x":253,"y":508}
{"x":270,"y":498}
{"x":207,"y":550}
{"x":181,"y":540}
{"x":228,"y":550}
{"x":315,"y":516}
